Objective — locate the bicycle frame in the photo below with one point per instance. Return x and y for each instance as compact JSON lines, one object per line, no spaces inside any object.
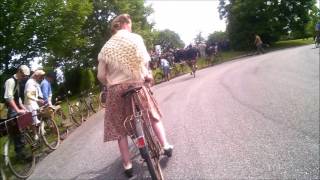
{"x":145,"y":139}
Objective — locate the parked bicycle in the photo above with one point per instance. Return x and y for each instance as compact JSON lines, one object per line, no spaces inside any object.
{"x":143,"y":135}
{"x":22,"y":164}
{"x":73,"y":110}
{"x":88,"y":104}
{"x":103,"y":97}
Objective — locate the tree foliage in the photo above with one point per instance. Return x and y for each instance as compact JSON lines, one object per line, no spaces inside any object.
{"x":97,"y":27}
{"x":199,"y":38}
{"x":168,"y":39}
{"x":217,"y":36}
{"x":270,"y":19}
{"x":40,"y":28}
{"x":66,"y":34}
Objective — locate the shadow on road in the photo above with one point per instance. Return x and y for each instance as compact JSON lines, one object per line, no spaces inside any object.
{"x":115,"y":169}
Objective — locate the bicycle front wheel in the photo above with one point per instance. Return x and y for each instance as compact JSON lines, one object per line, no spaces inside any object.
{"x":76,"y":115}
{"x":103,"y":99}
{"x":21,"y":163}
{"x":50,"y":133}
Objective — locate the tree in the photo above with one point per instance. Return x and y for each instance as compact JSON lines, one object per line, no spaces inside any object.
{"x":97,"y":28}
{"x":270,"y":19}
{"x":34,"y":28}
{"x":199,"y":39}
{"x":168,"y":39}
{"x":217,"y":36}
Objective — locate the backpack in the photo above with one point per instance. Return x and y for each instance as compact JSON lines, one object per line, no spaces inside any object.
{"x":3,"y":105}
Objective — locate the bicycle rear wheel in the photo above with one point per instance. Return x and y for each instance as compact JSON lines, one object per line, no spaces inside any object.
{"x":50,"y":133}
{"x":154,"y":152}
{"x":21,"y":164}
{"x":94,"y":103}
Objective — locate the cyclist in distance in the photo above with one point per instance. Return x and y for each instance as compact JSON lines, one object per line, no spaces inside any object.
{"x":191,"y":57}
{"x":123,"y":62}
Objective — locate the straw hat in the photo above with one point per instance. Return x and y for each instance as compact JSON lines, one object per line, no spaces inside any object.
{"x":25,"y":70}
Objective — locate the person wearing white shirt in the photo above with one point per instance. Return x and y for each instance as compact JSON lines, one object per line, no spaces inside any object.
{"x":32,"y":94}
{"x":165,"y":66}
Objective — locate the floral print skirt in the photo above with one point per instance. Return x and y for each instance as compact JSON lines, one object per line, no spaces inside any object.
{"x":119,"y":108}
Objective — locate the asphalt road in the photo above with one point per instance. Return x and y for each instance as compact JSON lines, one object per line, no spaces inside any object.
{"x":252,"y":118}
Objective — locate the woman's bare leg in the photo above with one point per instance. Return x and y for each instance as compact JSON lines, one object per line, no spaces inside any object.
{"x":124,"y":150}
{"x":160,"y":132}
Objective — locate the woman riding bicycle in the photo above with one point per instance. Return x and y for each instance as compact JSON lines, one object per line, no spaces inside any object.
{"x":123,"y":62}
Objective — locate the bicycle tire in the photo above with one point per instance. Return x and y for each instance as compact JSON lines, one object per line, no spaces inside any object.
{"x":154,"y":148}
{"x":84,"y":109}
{"x":21,"y":168}
{"x":194,"y":71}
{"x":76,"y":115}
{"x":103,"y":99}
{"x":158,"y":77}
{"x":50,"y":133}
{"x":59,"y":117}
{"x":94,"y":103}
{"x":2,"y":173}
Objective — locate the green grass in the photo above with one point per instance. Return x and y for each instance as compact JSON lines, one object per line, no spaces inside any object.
{"x":292,"y":43}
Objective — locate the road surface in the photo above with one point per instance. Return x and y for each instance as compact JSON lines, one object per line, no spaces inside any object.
{"x":251,"y":118}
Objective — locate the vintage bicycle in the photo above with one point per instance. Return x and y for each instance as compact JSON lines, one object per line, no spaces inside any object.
{"x":22,"y":163}
{"x":143,"y":135}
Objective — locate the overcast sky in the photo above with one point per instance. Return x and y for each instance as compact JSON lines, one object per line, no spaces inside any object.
{"x":187,"y":17}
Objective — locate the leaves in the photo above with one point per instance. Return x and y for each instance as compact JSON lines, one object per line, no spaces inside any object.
{"x":270,"y":19}
{"x":168,"y":39}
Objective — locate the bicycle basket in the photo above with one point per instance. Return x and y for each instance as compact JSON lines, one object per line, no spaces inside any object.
{"x":24,"y":121}
{"x":15,"y":125}
{"x":46,"y":112}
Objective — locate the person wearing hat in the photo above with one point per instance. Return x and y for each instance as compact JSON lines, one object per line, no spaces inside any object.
{"x":12,"y":96}
{"x":32,"y":94}
{"x":12,"y":92}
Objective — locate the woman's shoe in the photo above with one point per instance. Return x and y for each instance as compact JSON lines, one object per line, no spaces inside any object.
{"x":128,"y":170}
{"x":168,"y":150}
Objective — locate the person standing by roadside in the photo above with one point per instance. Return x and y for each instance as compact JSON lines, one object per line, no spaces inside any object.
{"x":165,"y":66}
{"x":123,"y":62}
{"x":46,"y":87}
{"x":12,"y":96}
{"x":258,"y":42}
{"x":32,"y":94}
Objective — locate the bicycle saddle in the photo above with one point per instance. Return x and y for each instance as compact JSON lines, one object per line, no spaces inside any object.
{"x":131,"y":90}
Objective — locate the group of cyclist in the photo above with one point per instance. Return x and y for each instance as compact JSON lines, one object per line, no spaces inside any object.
{"x":24,"y":94}
{"x":189,"y":55}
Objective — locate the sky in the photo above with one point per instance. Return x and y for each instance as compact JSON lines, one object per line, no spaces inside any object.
{"x":187,"y":17}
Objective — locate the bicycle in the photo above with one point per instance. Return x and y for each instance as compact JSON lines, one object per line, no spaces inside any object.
{"x":143,"y":135}
{"x":22,"y":164}
{"x":193,"y":67}
{"x":93,"y":102}
{"x":83,"y":105}
{"x":103,"y":97}
{"x":74,"y":111}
